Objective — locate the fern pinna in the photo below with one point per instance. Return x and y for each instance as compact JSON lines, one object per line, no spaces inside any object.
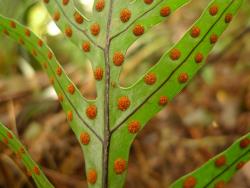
{"x":107,"y":126}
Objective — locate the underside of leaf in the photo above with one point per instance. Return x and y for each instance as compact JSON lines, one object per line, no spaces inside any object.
{"x":107,"y":126}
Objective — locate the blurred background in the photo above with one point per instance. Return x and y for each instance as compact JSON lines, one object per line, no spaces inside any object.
{"x":202,"y":121}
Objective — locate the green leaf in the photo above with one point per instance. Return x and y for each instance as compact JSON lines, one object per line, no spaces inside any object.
{"x":8,"y":138}
{"x":73,"y":103}
{"x":76,"y":27}
{"x":142,"y":14}
{"x":220,"y":169}
{"x":64,"y":87}
{"x":167,"y":71}
{"x":145,"y":99}
{"x":107,"y":126}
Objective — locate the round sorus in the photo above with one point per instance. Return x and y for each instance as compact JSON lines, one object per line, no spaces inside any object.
{"x":100,"y":4}
{"x":70,"y":116}
{"x":91,"y":111}
{"x":219,"y":184}
{"x":36,"y":170}
{"x":213,"y":10}
{"x":71,"y":89}
{"x":175,"y":54}
{"x":27,"y":32}
{"x":189,"y":182}
{"x":5,"y":140}
{"x":198,"y":57}
{"x":40,"y":43}
{"x":18,"y":155}
{"x":244,"y":143}
{"x":240,"y":165}
{"x":86,"y":46}
{"x":29,"y":173}
{"x":150,"y":78}
{"x":12,"y":24}
{"x":213,"y":39}
{"x":148,"y":2}
{"x":118,"y":58}
{"x":34,"y":53}
{"x":123,"y":103}
{"x":60,"y":97}
{"x":91,"y":176}
{"x":138,"y":30}
{"x":165,"y":11}
{"x":78,"y":18}
{"x":220,"y":161}
{"x":46,"y":1}
{"x":68,"y":31}
{"x":21,"y":150}
{"x":20,"y":41}
{"x":85,"y":138}
{"x":125,"y":15}
{"x":95,"y":29}
{"x":5,"y":32}
{"x":50,"y":55}
{"x":134,"y":127}
{"x":183,"y":77}
{"x":65,"y":2}
{"x":59,"y":71}
{"x":163,"y":100}
{"x":98,"y":73}
{"x":56,"y":16}
{"x":51,"y":80}
{"x":195,"y":32}
{"x":9,"y":135}
{"x":45,"y":65}
{"x":119,"y":166}
{"x":228,"y":18}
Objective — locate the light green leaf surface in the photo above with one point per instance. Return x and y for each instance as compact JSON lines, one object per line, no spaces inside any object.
{"x":210,"y":174}
{"x":120,"y":24}
{"x":8,"y":138}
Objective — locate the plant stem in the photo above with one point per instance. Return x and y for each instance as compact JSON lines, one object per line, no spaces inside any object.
{"x":107,"y":134}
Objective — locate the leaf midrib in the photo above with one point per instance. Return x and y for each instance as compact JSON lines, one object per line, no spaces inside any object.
{"x":107,"y":135}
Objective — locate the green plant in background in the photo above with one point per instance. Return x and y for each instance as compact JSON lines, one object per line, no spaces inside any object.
{"x":107,"y":126}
